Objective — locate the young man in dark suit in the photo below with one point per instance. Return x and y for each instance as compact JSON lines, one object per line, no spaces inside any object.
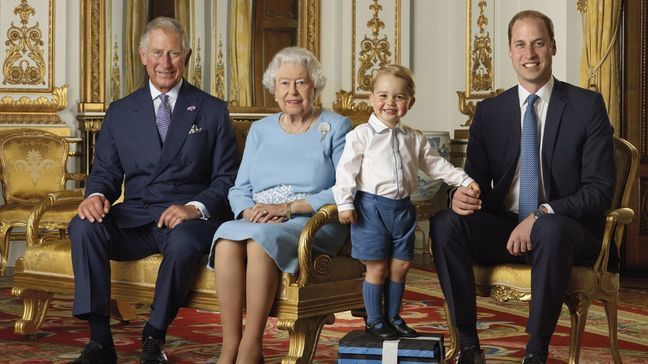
{"x":543,"y":154}
{"x":174,"y":148}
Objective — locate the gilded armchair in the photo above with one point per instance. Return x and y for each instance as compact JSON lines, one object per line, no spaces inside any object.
{"x":506,"y":282}
{"x":33,"y":163}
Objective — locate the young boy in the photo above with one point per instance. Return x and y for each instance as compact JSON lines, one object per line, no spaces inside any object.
{"x":375,"y":177}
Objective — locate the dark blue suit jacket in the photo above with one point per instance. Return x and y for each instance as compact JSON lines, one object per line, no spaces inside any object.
{"x":197,"y":162}
{"x":577,"y":153}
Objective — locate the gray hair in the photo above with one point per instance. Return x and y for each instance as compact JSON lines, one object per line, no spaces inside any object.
{"x":166,"y":24}
{"x":295,"y":55}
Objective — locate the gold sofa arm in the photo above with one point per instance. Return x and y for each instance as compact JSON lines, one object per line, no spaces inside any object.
{"x":67,"y":198}
{"x":325,"y":215}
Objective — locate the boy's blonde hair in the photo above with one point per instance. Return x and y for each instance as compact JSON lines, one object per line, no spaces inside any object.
{"x":396,"y":70}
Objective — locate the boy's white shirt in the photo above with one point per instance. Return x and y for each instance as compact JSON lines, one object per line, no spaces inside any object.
{"x":385,"y":162}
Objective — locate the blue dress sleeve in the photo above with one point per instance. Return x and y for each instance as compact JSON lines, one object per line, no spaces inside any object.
{"x":338,"y":133}
{"x":240,"y":195}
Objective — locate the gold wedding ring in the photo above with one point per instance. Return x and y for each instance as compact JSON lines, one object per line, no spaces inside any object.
{"x":265,"y":212}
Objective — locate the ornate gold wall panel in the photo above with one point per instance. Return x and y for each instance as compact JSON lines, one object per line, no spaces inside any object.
{"x":92,"y":56}
{"x":27,"y":27}
{"x":309,"y":26}
{"x":377,"y":49}
{"x":480,"y":73}
{"x":27,"y":91}
{"x":375,"y":43}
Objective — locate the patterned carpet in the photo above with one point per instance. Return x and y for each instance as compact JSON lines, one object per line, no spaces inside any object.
{"x":195,"y":335}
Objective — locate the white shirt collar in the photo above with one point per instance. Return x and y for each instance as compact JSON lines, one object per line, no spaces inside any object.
{"x":173,"y":93}
{"x":544,"y":93}
{"x":378,"y":126}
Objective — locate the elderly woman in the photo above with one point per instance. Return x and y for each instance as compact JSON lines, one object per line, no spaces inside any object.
{"x":286,"y":174}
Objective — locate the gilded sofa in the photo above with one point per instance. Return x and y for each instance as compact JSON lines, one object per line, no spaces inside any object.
{"x":305,"y":301}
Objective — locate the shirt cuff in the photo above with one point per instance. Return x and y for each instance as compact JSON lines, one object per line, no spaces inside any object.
{"x":97,"y":194}
{"x":203,"y":210}
{"x":549,"y":209}
{"x":467,"y":181}
{"x":345,"y":207}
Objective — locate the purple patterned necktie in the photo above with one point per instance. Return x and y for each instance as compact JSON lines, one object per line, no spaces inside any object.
{"x":163,"y":116}
{"x":529,"y":161}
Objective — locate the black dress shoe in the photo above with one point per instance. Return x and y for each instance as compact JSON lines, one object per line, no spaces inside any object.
{"x":399,"y":325}
{"x":534,"y":359}
{"x":471,"y":355}
{"x":381,"y":330}
{"x":153,"y":352}
{"x":93,"y":353}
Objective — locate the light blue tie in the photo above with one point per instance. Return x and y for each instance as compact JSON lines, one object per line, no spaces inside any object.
{"x":163,"y":116}
{"x":529,"y":161}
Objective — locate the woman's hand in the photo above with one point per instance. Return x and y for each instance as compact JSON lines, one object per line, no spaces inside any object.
{"x":266,"y":213}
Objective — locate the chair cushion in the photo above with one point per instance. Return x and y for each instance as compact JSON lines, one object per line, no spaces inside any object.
{"x":518,"y":278}
{"x":53,"y":257}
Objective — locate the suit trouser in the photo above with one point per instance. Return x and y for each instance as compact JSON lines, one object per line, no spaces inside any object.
{"x":95,"y":244}
{"x":558,"y":243}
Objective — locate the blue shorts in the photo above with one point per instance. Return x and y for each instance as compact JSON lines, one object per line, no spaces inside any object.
{"x":384,"y":228}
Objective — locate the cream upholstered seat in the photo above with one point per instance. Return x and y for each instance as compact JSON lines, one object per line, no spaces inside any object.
{"x":304,"y":302}
{"x":33,"y":164}
{"x":513,"y":281}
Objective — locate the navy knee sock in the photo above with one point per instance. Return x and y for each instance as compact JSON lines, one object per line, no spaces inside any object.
{"x":372,"y":295}
{"x":393,"y":298}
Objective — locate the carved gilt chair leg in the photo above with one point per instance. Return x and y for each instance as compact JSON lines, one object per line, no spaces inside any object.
{"x":35,"y":305}
{"x":122,"y":310}
{"x":611,"y":313}
{"x":578,"y":305}
{"x":452,"y":346}
{"x":5,"y":238}
{"x":303,"y":336}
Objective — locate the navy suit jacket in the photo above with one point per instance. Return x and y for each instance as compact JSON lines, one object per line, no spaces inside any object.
{"x":197,"y":162}
{"x":577,"y":153}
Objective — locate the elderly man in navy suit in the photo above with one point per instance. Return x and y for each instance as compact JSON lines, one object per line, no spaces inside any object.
{"x":543,"y":154}
{"x":173,"y":147}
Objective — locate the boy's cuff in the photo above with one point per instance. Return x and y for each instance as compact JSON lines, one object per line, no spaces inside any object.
{"x":345,"y":207}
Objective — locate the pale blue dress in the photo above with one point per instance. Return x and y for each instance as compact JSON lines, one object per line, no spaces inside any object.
{"x":278,"y":167}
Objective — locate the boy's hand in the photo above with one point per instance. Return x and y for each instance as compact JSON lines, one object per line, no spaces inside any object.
{"x":347,"y":217}
{"x":475,"y":187}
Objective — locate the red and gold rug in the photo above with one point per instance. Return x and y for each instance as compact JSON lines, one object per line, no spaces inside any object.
{"x":195,"y":335}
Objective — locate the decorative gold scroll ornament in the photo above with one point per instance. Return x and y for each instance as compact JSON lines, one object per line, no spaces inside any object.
{"x":197,"y":72}
{"x":482,"y":59}
{"x":479,"y":67}
{"x":27,"y":110}
{"x":24,"y":64}
{"x":115,"y":78}
{"x":374,"y":52}
{"x":220,"y":71}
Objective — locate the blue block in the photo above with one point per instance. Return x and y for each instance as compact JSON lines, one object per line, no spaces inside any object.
{"x":359,"y":347}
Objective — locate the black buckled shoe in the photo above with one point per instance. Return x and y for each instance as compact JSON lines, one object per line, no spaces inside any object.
{"x":534,"y":359}
{"x":471,"y":355}
{"x":93,"y":353}
{"x":399,"y":325}
{"x":153,"y":352}
{"x":381,"y":330}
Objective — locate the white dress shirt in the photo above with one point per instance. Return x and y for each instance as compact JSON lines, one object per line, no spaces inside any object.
{"x":385,"y":161}
{"x":512,"y":198}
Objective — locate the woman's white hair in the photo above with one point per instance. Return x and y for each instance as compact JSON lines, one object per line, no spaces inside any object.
{"x":294,"y":55}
